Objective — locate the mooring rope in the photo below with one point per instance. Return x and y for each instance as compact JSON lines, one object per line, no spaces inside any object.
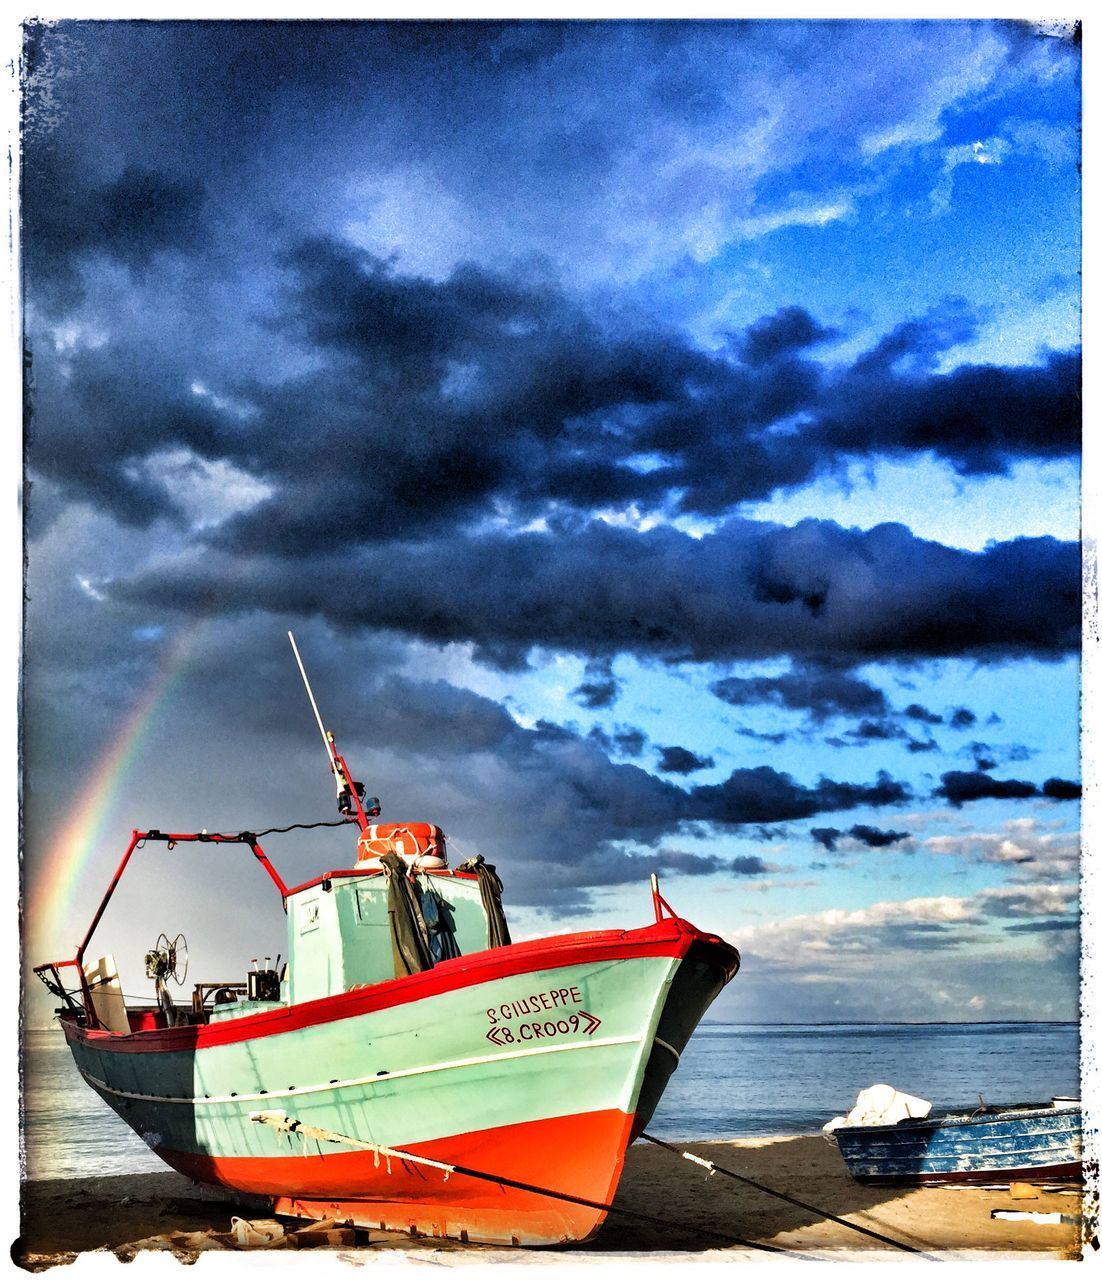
{"x":730,"y":1173}
{"x":287,"y":1124}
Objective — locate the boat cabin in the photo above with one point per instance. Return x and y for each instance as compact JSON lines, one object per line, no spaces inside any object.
{"x":340,"y":924}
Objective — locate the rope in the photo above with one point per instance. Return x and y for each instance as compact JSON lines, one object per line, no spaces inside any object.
{"x":715,"y":1168}
{"x":287,"y":1124}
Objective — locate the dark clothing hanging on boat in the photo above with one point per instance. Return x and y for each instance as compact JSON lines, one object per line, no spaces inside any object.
{"x":409,"y":935}
{"x":490,"y":887}
{"x":440,"y":922}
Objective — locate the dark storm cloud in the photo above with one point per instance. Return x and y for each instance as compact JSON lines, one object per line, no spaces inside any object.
{"x":764,"y":795}
{"x":1043,"y":926}
{"x":751,"y":865}
{"x":875,"y":838}
{"x":875,"y":731}
{"x":623,"y":740}
{"x":774,"y":738}
{"x":130,"y":218}
{"x":978,"y":418}
{"x":1061,"y":789}
{"x":986,"y":756}
{"x":532,"y":399}
{"x":826,"y":836}
{"x":871,"y":837}
{"x":825,"y":693}
{"x":600,"y":688}
{"x":922,"y":714}
{"x":782,"y":334}
{"x":681,"y":760}
{"x":747,"y":591}
{"x":429,"y":399}
{"x":962,"y":718}
{"x":959,"y":787}
{"x":821,"y":692}
{"x":514,"y":791}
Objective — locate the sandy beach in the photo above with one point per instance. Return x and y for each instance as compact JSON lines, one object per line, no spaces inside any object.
{"x":62,"y":1219}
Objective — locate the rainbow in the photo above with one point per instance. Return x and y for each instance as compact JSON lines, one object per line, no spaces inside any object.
{"x":54,"y":882}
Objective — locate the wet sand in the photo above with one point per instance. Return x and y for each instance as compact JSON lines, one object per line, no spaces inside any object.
{"x":703,"y":1215}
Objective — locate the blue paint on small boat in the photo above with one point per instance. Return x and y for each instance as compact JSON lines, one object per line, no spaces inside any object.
{"x":1031,"y":1142}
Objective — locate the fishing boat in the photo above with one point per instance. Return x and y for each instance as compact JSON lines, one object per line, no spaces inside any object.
{"x":1028,"y":1142}
{"x":409,"y":1067}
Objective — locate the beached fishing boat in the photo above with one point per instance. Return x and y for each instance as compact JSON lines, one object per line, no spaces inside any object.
{"x":1030,"y":1142}
{"x":409,"y":1068}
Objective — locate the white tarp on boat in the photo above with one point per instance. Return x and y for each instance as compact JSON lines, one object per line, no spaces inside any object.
{"x":880,"y":1104}
{"x":107,"y":998}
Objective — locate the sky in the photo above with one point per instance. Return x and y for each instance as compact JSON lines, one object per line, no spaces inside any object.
{"x":663,"y":440}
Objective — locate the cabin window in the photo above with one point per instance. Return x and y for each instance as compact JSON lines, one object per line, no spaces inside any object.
{"x":311,"y":916}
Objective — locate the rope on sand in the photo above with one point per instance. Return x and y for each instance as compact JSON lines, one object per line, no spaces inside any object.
{"x":730,"y":1173}
{"x":288,"y":1124}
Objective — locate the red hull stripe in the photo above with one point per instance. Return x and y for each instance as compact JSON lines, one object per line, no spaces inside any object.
{"x":578,"y":1155}
{"x":665,"y":938}
{"x":1050,"y":1173}
{"x":373,"y":871}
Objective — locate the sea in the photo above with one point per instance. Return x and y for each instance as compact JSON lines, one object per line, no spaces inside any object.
{"x":734,"y":1081}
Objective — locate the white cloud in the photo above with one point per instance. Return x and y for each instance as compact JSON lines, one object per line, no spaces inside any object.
{"x":224,"y":404}
{"x":73,"y":335}
{"x":1057,"y":144}
{"x":842,"y":938}
{"x":991,"y":152}
{"x":974,"y":71}
{"x":208,"y":492}
{"x":1028,"y":900}
{"x":806,"y":215}
{"x":1023,"y":844}
{"x":409,"y":215}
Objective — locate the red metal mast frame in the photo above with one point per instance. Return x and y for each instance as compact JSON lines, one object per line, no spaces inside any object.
{"x":137,"y":839}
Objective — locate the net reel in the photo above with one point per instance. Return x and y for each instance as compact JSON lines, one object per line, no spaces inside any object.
{"x":167,"y":960}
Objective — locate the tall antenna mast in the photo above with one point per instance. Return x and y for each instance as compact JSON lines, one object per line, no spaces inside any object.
{"x":349,"y":793}
{"x":310,"y":694}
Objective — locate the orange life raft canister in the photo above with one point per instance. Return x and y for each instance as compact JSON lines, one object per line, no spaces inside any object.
{"x":419,"y":844}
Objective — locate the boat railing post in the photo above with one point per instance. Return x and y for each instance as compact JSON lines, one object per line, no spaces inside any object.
{"x":86,"y":990}
{"x":262,"y":858}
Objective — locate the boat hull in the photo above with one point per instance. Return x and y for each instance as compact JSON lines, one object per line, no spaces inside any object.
{"x":574,"y":1155}
{"x":527,"y":1062}
{"x":1026,"y":1144}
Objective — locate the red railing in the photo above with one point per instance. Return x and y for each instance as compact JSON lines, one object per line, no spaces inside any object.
{"x":137,"y":839}
{"x":660,"y":903}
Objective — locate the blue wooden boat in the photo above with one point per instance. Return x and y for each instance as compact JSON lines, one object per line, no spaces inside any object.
{"x":1031,"y":1142}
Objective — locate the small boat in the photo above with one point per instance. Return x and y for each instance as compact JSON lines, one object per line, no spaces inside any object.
{"x":410,"y":1067}
{"x":1029,"y":1142}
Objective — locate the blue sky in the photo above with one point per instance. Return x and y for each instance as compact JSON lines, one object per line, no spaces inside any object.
{"x":663,"y":439}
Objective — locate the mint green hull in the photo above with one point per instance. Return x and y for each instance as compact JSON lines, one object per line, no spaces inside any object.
{"x":413,"y":1073}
